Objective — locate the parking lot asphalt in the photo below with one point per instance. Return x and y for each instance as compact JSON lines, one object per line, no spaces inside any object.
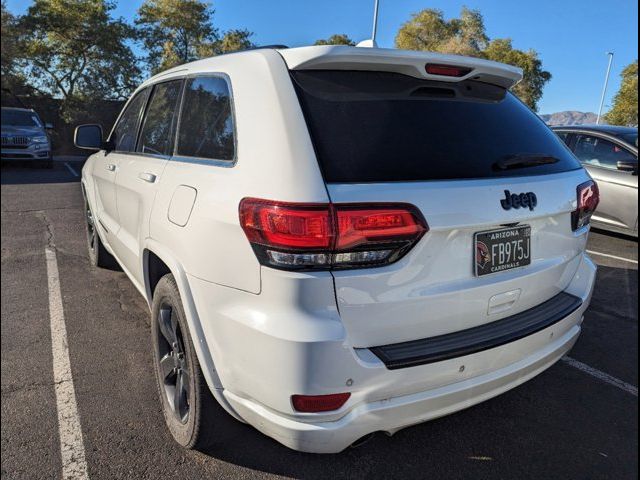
{"x":566,"y":423}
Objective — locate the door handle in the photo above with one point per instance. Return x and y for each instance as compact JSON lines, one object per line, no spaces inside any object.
{"x":111,"y":167}
{"x":147,"y":177}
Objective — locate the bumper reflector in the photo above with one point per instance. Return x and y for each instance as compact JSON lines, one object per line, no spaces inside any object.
{"x":319,"y":403}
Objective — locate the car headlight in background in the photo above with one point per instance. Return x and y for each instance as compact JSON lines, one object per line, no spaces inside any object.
{"x":41,"y":141}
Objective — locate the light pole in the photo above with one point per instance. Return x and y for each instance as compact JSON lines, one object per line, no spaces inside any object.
{"x":371,"y":42}
{"x":604,"y":89}
{"x":375,"y":22}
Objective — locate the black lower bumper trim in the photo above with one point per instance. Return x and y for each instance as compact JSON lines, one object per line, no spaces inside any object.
{"x":477,"y":339}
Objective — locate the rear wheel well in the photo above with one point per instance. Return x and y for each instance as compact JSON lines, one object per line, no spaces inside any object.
{"x":156,"y":269}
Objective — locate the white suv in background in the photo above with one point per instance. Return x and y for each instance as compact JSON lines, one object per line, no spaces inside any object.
{"x":335,"y":241}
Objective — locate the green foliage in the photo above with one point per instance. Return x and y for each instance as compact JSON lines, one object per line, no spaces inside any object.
{"x":174,"y":32}
{"x":12,"y":79}
{"x":529,"y":90}
{"x":625,"y":103}
{"x":76,"y":50}
{"x":337,"y":39}
{"x":429,"y":30}
{"x":232,"y":41}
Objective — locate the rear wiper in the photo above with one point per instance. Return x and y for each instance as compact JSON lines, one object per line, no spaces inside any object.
{"x":522,"y":160}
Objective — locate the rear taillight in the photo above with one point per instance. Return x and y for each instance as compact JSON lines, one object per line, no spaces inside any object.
{"x":319,"y":403}
{"x":329,"y":236}
{"x":588,"y":199}
{"x":446,"y":70}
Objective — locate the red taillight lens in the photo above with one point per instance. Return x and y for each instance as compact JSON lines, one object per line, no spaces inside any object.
{"x":319,"y":403}
{"x":588,"y":199}
{"x":306,"y":236}
{"x":447,"y":70}
{"x":286,"y":225}
{"x":357,"y":226}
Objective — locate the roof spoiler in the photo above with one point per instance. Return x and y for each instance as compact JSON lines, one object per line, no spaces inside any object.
{"x":401,"y":61}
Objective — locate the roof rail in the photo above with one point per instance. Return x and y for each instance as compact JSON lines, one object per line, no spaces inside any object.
{"x":260,"y":47}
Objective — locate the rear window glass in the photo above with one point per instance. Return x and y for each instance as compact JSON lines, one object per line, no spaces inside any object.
{"x":380,"y":126}
{"x":156,"y":136}
{"x":124,"y":134}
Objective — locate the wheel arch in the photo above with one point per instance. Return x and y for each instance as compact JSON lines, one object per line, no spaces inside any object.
{"x":158,"y":261}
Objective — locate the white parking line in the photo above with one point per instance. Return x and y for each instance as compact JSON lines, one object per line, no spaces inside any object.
{"x":607,"y":255}
{"x":74,"y":465}
{"x":605,"y":377}
{"x":71,"y":169}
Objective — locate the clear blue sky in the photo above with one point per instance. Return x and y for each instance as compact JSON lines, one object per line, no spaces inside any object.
{"x":571,"y":36}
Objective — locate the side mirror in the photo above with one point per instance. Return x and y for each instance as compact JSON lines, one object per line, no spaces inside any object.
{"x":628,"y":166}
{"x":48,"y":126}
{"x":88,"y":137}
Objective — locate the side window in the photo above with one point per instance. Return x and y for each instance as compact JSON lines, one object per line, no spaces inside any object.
{"x":564,"y":136}
{"x":206,"y":122}
{"x":156,"y":135}
{"x":600,"y":152}
{"x":124,"y":135}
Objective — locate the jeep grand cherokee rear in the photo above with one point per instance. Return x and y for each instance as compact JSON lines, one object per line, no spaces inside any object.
{"x":454,"y":234}
{"x":341,"y":240}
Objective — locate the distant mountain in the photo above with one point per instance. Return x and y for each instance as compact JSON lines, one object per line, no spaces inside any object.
{"x":569,"y":118}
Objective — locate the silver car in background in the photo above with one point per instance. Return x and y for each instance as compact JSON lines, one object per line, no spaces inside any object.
{"x":610,"y":155}
{"x":24,"y":137}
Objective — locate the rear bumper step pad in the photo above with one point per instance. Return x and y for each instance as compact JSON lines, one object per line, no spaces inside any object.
{"x":477,"y":339}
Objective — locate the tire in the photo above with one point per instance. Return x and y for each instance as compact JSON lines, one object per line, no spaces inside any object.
{"x":98,"y":254}
{"x":175,"y":363}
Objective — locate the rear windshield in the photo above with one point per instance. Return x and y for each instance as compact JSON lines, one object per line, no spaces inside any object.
{"x":380,"y":127}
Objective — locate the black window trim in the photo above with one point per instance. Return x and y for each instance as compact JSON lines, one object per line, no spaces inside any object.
{"x":200,"y":160}
{"x":143,"y":118}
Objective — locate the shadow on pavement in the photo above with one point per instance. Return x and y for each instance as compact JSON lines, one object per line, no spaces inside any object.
{"x":16,"y":173}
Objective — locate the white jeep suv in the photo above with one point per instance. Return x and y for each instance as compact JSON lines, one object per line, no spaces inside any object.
{"x":335,"y":241}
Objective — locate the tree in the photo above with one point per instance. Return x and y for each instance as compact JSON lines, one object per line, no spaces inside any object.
{"x":625,"y":103}
{"x":232,"y":41}
{"x":174,"y":32}
{"x":529,"y":90}
{"x":429,"y":30}
{"x":337,"y":39}
{"x":75,"y":50}
{"x":12,"y":79}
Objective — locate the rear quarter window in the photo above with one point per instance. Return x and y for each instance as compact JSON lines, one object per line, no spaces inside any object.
{"x":206,"y":123}
{"x":381,"y":126}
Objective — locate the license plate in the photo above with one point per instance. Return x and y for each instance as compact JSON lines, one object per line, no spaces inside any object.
{"x":500,"y":250}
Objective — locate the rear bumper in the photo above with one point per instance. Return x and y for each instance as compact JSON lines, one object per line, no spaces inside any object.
{"x":392,"y":414}
{"x":299,"y":347}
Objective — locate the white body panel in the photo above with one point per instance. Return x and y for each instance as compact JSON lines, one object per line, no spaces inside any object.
{"x":262,"y":335}
{"x":433,"y":290}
